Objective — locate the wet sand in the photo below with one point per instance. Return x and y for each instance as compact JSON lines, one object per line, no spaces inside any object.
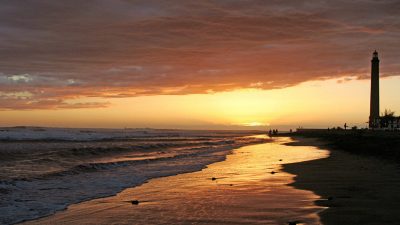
{"x":357,"y":189}
{"x":249,"y":187}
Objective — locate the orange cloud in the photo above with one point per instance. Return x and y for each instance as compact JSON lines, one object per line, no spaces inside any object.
{"x":58,"y":51}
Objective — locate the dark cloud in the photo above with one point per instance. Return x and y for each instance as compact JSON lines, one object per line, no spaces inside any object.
{"x":58,"y":51}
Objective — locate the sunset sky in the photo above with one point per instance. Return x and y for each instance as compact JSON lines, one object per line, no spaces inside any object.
{"x":210,"y":64}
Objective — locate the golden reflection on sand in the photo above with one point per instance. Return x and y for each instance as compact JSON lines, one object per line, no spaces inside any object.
{"x":247,"y":188}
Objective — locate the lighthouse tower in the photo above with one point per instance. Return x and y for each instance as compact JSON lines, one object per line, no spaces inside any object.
{"x":374,"y":104}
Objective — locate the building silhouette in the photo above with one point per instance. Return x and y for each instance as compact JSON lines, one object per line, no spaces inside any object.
{"x":374,"y":118}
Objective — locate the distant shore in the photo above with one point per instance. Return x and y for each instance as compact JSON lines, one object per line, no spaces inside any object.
{"x":357,"y":186}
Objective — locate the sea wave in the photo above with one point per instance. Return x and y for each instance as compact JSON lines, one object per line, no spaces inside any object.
{"x":23,"y":133}
{"x":45,"y":193}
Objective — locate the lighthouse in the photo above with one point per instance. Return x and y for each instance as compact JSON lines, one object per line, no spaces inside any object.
{"x":374,"y":101}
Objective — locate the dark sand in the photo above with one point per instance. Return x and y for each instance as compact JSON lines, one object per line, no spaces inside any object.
{"x":244,"y":191}
{"x":363,"y":190}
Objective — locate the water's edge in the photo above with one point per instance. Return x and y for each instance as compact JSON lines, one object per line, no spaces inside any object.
{"x":170,"y":170}
{"x":245,"y":190}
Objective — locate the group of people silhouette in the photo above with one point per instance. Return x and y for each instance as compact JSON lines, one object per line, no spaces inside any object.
{"x":273,"y":132}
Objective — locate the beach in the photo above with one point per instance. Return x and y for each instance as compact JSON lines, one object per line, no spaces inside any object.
{"x":248,"y":187}
{"x":293,"y":180}
{"x":357,"y":189}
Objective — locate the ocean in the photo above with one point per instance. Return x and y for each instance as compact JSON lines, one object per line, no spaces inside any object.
{"x":43,"y":170}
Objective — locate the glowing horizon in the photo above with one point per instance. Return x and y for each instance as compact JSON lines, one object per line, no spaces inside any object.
{"x":324,"y":103}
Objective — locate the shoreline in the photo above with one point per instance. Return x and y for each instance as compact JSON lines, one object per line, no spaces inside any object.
{"x":248,"y":187}
{"x":34,"y":199}
{"x":356,"y":188}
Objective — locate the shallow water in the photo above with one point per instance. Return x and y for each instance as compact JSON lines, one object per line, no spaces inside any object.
{"x":245,"y":191}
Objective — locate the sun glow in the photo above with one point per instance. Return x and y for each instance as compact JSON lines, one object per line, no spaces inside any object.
{"x":309,"y":104}
{"x":254,"y":124}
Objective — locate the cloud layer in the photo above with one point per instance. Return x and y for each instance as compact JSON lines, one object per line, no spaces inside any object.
{"x":57,"y":52}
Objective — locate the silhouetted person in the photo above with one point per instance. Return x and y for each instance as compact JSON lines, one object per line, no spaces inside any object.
{"x":345,"y":126}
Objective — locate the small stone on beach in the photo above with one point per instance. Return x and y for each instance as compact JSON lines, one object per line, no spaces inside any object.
{"x":273,"y":172}
{"x":213,"y":178}
{"x":135,"y":202}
